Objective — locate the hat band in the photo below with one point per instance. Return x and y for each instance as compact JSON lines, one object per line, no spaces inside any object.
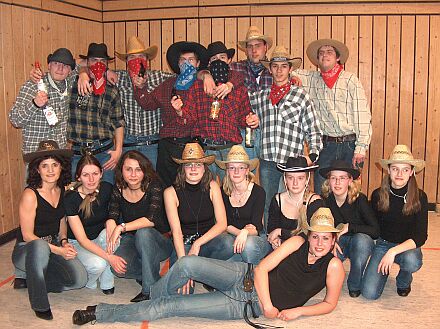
{"x":280,"y":59}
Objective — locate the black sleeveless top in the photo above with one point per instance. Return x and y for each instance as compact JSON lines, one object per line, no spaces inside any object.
{"x":196,"y":211}
{"x":47,"y":218}
{"x":293,"y":282}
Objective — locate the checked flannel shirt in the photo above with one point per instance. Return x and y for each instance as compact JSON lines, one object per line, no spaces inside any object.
{"x":250,"y":81}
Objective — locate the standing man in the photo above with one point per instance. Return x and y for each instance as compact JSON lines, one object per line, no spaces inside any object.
{"x":287,"y":119}
{"x":340,"y":104}
{"x":96,"y":123}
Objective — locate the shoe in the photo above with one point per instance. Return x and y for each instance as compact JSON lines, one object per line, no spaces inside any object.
{"x":91,"y":308}
{"x":404,"y":292}
{"x":140,"y":297}
{"x":110,"y":291}
{"x":81,"y":317}
{"x":45,"y":315}
{"x":208,"y":287}
{"x":20,"y":283}
{"x":139,"y":282}
{"x":354,"y":293}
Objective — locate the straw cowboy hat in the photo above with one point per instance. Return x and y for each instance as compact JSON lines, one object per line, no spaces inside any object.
{"x":193,"y":152}
{"x":280,"y":54}
{"x":323,"y":221}
{"x":402,"y":154}
{"x":296,"y":165}
{"x":312,"y":49}
{"x":45,"y":148}
{"x":254,"y":33}
{"x":136,"y":46}
{"x":238,"y":154}
{"x":342,"y":166}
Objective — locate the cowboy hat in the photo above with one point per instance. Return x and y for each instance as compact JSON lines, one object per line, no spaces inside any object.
{"x":298,"y":164}
{"x":193,"y":152}
{"x":219,"y":47}
{"x":178,"y":48}
{"x":342,"y":166}
{"x":136,"y":46}
{"x":62,"y":55}
{"x":322,"y":221}
{"x":280,"y":54}
{"x":312,"y":49}
{"x":254,"y":33}
{"x":46,"y":148}
{"x":97,"y":50}
{"x":238,"y":154}
{"x":402,"y":154}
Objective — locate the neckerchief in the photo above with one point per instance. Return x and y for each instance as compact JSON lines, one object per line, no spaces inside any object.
{"x":187,"y":76}
{"x":278,"y":92}
{"x":97,"y":71}
{"x":219,"y":71}
{"x":332,"y":75}
{"x":134,"y":66}
{"x":58,"y":86}
{"x":256,"y":68}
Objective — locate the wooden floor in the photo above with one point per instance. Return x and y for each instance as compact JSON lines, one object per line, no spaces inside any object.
{"x":421,"y":309}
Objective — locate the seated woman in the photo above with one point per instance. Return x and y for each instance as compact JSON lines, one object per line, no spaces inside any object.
{"x":278,"y":290}
{"x":87,"y":213}
{"x":244,"y":203}
{"x":136,"y":206}
{"x":351,"y":208}
{"x":289,"y":210}
{"x":48,"y":265}
{"x":195,"y":208}
{"x":402,"y":211}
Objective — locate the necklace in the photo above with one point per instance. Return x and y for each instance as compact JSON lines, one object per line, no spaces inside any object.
{"x":296,"y":202}
{"x":311,"y":253}
{"x":241,"y":195}
{"x":399,"y":196}
{"x":53,"y":84}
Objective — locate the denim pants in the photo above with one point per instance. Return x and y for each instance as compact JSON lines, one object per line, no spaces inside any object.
{"x":357,"y":247}
{"x":270,"y":180}
{"x":226,"y":277}
{"x":46,"y":272}
{"x":143,"y":252}
{"x":330,"y":152}
{"x":166,"y":167}
{"x":409,"y":261}
{"x":150,"y":151}
{"x":219,"y":155}
{"x":255,"y":249}
{"x":217,"y":248}
{"x":103,"y":157}
{"x":96,"y":267}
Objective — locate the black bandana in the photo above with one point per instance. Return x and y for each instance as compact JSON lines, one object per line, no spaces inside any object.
{"x":219,"y":71}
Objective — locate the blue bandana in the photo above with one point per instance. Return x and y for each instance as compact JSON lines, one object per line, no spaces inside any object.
{"x":187,"y":76}
{"x":256,"y":68}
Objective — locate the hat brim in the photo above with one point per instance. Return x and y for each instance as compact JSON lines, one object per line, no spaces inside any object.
{"x":253,"y":163}
{"x":87,"y":57}
{"x":269,"y":42}
{"x":312,"y":49}
{"x":174,"y":51}
{"x":353,"y":172}
{"x":296,"y":62}
{"x":324,"y":228}
{"x":209,"y":159}
{"x":284,"y":168}
{"x":418,"y":164}
{"x":63,"y":153}
{"x":150,"y":52}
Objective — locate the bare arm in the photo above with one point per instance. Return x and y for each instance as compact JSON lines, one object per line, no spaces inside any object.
{"x":171,"y":204}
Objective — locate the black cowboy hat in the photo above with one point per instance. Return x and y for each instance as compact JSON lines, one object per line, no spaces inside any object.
{"x":342,"y":166}
{"x":97,"y":50}
{"x":62,"y":55}
{"x":296,"y":165}
{"x":219,"y":47}
{"x":177,"y":48}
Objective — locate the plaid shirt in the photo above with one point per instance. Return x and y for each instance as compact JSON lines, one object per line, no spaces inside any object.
{"x":35,"y":128}
{"x":250,"y":81}
{"x":342,"y":110}
{"x":139,"y":122}
{"x":94,"y":117}
{"x":285,"y":126}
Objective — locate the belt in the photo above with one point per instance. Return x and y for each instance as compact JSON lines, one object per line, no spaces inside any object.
{"x":141,"y":143}
{"x":178,"y":141}
{"x":209,"y":144}
{"x":339,"y":139}
{"x":85,"y":150}
{"x":92,"y":143}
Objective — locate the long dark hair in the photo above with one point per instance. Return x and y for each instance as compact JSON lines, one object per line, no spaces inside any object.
{"x":34,"y":177}
{"x":144,"y":163}
{"x":204,"y":182}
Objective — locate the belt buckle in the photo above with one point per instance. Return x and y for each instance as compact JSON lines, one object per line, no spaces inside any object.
{"x":86,"y":151}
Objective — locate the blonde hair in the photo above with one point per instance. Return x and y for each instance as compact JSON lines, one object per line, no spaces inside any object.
{"x":354,"y":188}
{"x":228,"y":186}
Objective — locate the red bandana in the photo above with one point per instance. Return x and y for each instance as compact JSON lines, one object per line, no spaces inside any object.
{"x":278,"y":92}
{"x":134,"y":66}
{"x":97,"y":71}
{"x":332,"y":75}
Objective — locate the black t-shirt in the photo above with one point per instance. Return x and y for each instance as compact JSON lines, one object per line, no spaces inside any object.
{"x":96,"y":222}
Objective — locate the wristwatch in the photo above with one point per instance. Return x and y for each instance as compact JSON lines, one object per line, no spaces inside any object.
{"x":124,"y":228}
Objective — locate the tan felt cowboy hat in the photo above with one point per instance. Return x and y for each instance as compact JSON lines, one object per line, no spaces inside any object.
{"x":322,"y":221}
{"x":136,"y":46}
{"x":280,"y":54}
{"x":45,"y":148}
{"x":193,"y":153}
{"x":238,"y":154}
{"x":312,"y":49}
{"x":402,"y":154}
{"x":254,"y":33}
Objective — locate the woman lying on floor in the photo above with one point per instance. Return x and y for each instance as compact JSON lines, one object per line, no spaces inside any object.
{"x":275,"y":295}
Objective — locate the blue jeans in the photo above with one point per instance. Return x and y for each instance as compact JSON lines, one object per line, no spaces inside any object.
{"x":270,"y":180}
{"x":219,"y":155}
{"x":96,"y":267}
{"x":330,"y":152}
{"x":357,"y":247}
{"x":46,"y":272}
{"x":103,"y":157}
{"x":409,"y":261}
{"x":255,"y":249}
{"x":226,"y":277}
{"x":143,"y":252}
{"x":150,"y":151}
{"x":217,"y":248}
